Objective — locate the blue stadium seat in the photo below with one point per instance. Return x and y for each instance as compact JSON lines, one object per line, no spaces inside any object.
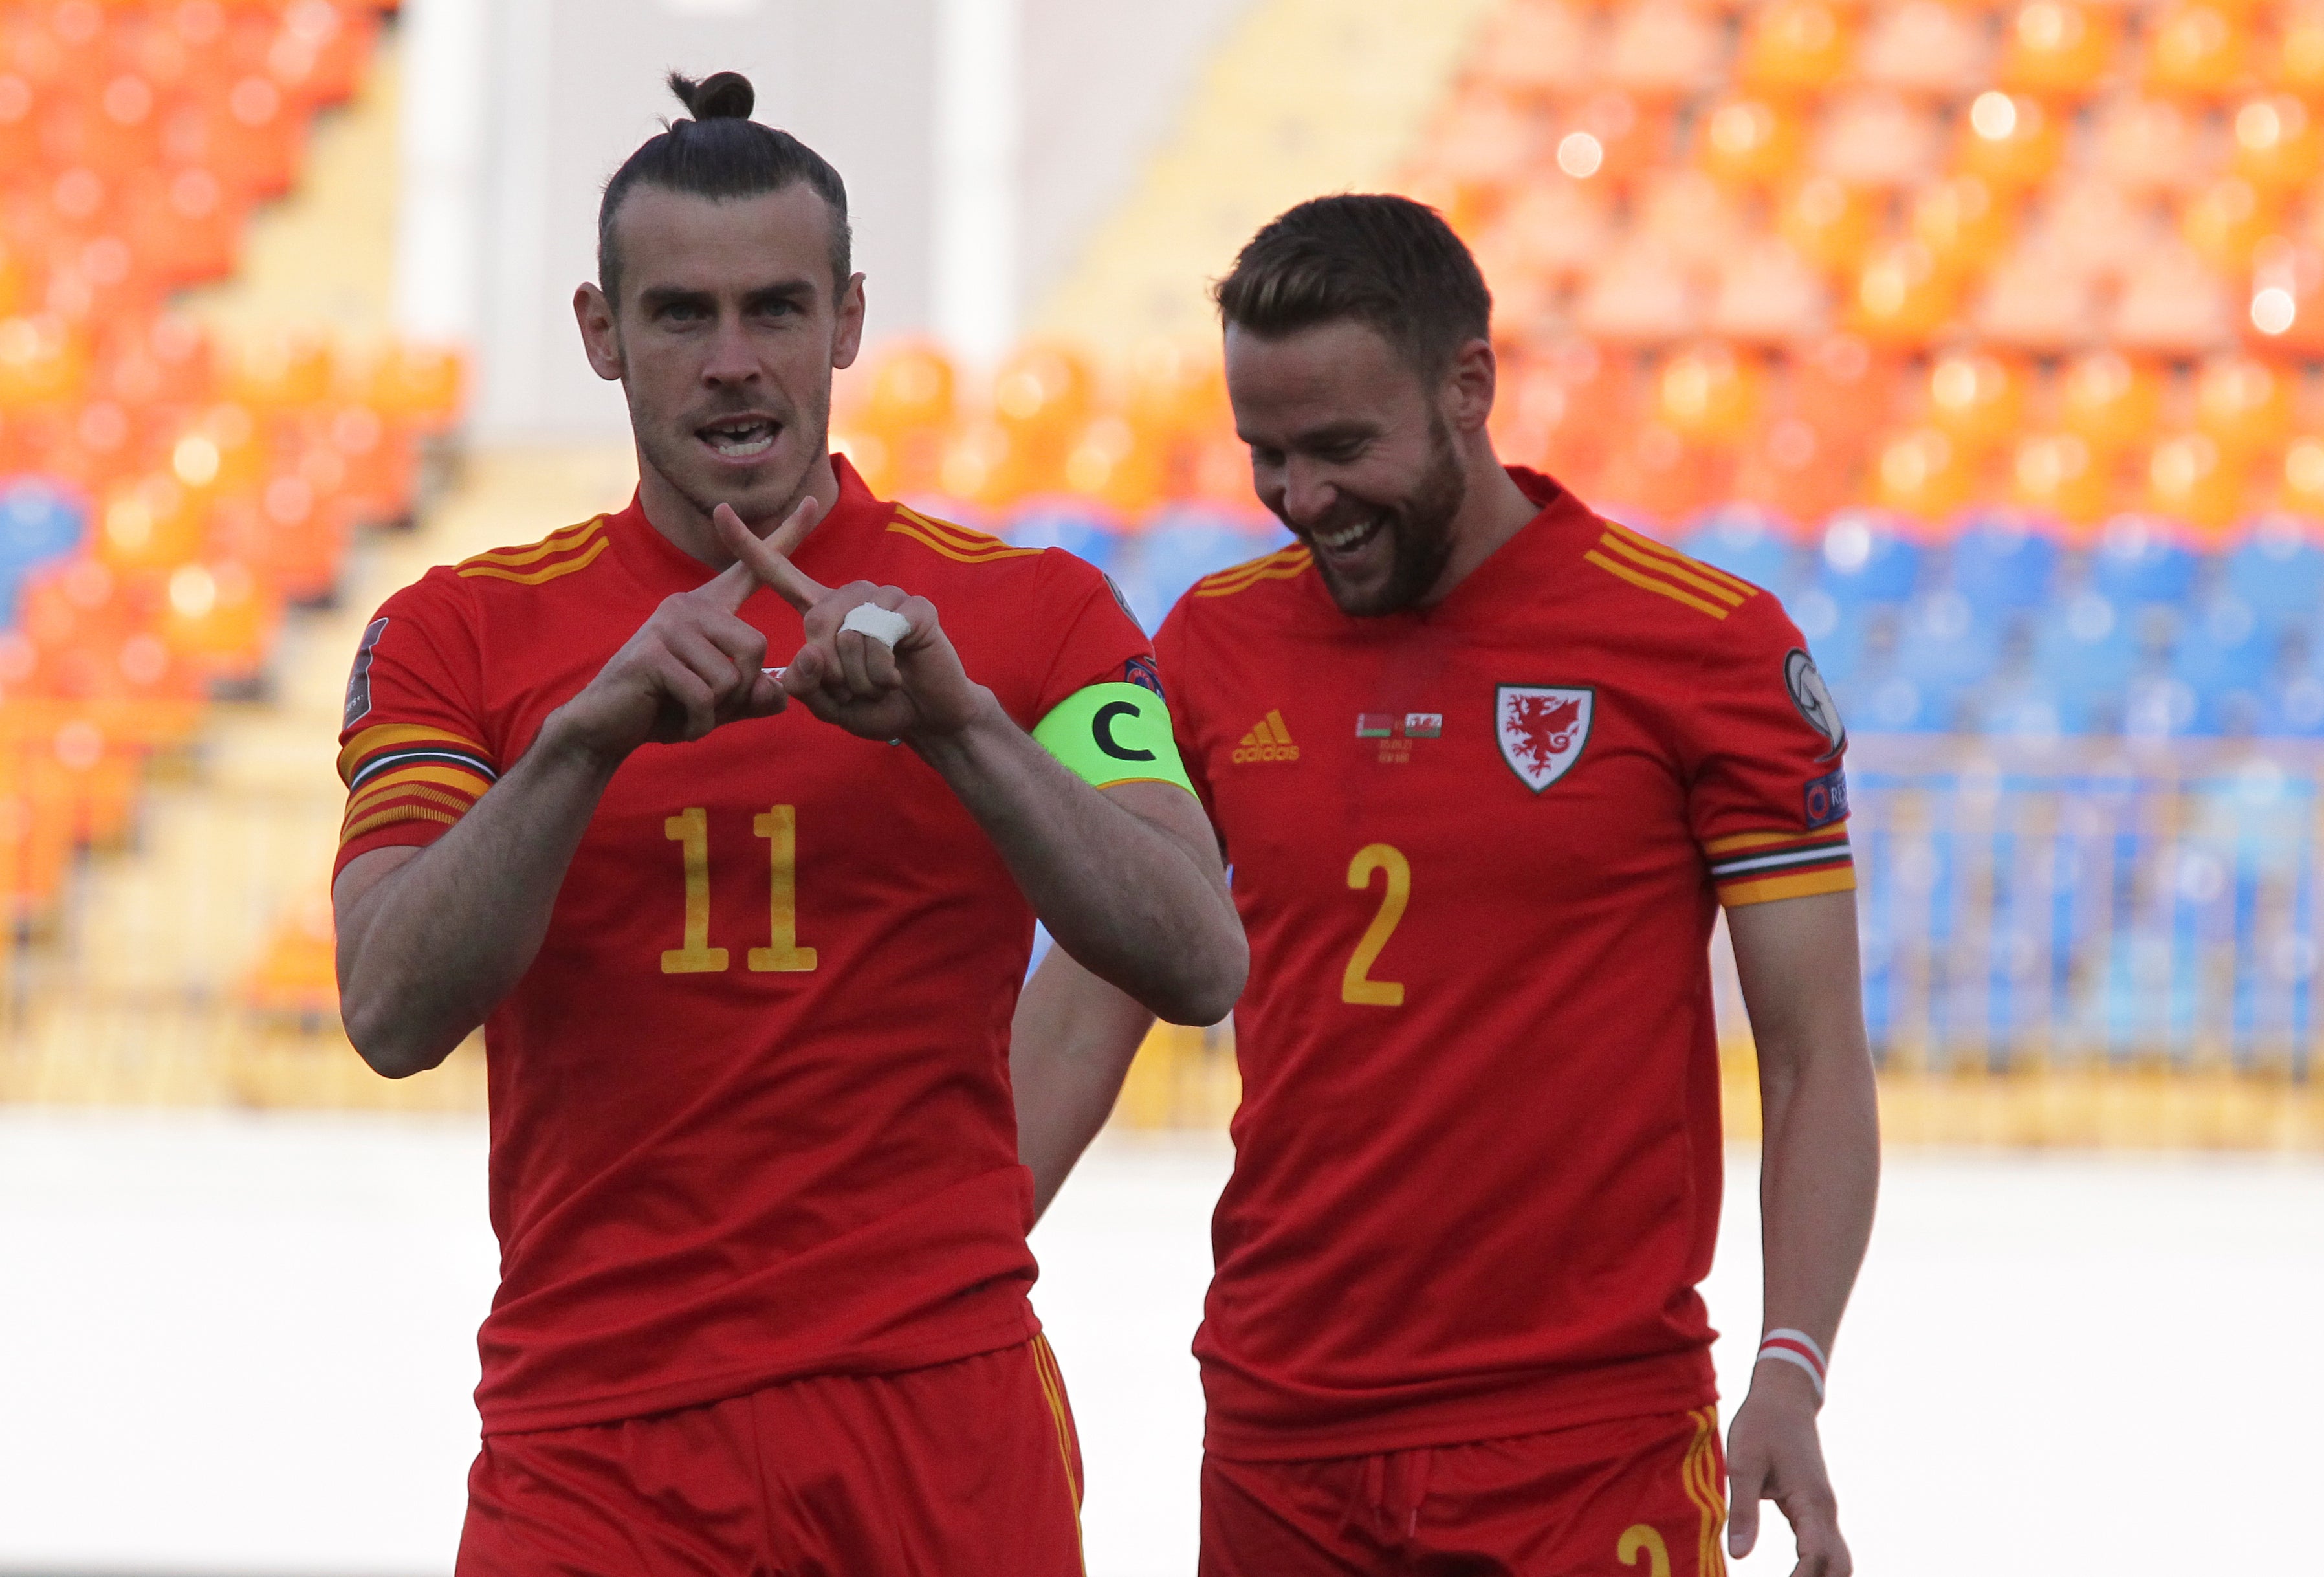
{"x":1865,"y":560}
{"x":1072,"y":524}
{"x":2277,"y":573}
{"x":2136,"y":562}
{"x":1181,"y":546}
{"x":1942,"y":646}
{"x":39,"y":522}
{"x":2228,"y":657}
{"x":1744,"y":542}
{"x":1997,"y":564}
{"x":2085,"y":653}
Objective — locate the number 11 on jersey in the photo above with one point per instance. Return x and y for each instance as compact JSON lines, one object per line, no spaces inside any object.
{"x":690,"y":830}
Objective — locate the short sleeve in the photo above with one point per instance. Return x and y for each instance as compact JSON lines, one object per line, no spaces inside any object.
{"x":1099,"y":642}
{"x":1170,"y":654}
{"x":411,"y":742}
{"x":1767,"y":798}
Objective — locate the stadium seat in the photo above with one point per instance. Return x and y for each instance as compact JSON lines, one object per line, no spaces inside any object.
{"x":1746,"y":542}
{"x":1923,"y":46}
{"x":2057,"y":49}
{"x":2197,"y":50}
{"x":1864,"y":557}
{"x":2135,"y":561}
{"x":1180,"y":547}
{"x":2000,"y":566}
{"x":1068,"y":524}
{"x":1878,"y":137}
{"x":2277,"y":572}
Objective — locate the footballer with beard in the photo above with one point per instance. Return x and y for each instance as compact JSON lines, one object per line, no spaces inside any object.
{"x":745,"y":969}
{"x":1486,"y":767}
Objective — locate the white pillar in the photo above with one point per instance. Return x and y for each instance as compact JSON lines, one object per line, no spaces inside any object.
{"x":974,"y":285}
{"x":441,"y":140}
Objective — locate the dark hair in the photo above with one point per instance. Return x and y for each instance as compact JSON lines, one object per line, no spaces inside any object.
{"x":722,"y":152}
{"x":1384,"y":261}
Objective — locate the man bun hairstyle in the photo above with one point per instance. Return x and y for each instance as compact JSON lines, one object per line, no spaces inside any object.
{"x":1387,"y":262}
{"x":721,"y":153}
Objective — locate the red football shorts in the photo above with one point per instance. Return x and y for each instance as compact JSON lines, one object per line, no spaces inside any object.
{"x":965,"y":1469}
{"x":1634,"y":1498}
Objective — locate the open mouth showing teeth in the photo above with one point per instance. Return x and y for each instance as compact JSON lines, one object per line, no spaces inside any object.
{"x":740,"y":440}
{"x":1349,"y":537}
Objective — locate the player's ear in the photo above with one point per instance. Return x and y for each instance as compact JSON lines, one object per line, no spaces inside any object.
{"x":1470,"y":384}
{"x":601,"y":336}
{"x":847,"y":332}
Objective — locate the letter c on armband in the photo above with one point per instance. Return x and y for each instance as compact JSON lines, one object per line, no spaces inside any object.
{"x":1115,"y":733}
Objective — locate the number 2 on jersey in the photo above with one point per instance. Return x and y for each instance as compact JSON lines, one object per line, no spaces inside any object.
{"x":690,"y":830}
{"x":1357,"y":984}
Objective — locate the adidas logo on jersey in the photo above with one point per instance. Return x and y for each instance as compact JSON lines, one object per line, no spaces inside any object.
{"x":1270,"y":740}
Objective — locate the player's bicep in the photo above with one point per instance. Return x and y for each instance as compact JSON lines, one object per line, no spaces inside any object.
{"x":357,"y":891}
{"x":1797,"y":961}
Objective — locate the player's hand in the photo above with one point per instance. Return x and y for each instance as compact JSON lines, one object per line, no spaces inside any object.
{"x":847,"y":677}
{"x":693,"y":667}
{"x":1774,"y":1454}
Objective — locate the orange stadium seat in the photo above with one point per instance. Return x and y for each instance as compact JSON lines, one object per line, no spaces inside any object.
{"x":2059,"y":477}
{"x":1878,"y":137}
{"x":1540,"y":50}
{"x":2174,"y":303}
{"x":2108,"y":401}
{"x":2192,"y":482}
{"x":1923,"y":47}
{"x":2296,"y":64}
{"x":1964,"y":221}
{"x":1900,"y":298}
{"x":1767,"y":293}
{"x":1923,"y":474}
{"x":1661,"y":50}
{"x":2225,"y":221}
{"x":2243,"y":405}
{"x":1976,"y":399}
{"x":2279,"y":148}
{"x":2148,"y":144}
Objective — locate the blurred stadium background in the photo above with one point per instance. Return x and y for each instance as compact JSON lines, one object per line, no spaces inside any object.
{"x":1989,"y":336}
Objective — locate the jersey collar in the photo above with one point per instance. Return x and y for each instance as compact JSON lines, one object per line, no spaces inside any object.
{"x":832,"y":554}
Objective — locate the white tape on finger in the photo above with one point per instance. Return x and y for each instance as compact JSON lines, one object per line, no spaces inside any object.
{"x":881,"y":625}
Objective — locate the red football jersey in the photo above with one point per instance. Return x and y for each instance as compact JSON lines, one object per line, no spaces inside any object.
{"x":751,"y":1116}
{"x":1478,"y":850}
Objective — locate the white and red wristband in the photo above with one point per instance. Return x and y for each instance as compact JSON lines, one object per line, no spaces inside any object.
{"x":1795,"y":1347}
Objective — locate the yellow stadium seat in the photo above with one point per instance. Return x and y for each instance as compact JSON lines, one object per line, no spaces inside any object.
{"x":1923,"y":474}
{"x":2225,"y":221}
{"x":1975,"y":398}
{"x":2108,"y":401}
{"x":1750,"y":140}
{"x":2192,"y":480}
{"x":2010,"y":139}
{"x":2198,"y":50}
{"x":1901,"y":298}
{"x":1795,"y":47}
{"x":2058,"y":49}
{"x":2244,"y":404}
{"x":2278,"y":144}
{"x":1828,"y":223}
{"x":2059,"y":475}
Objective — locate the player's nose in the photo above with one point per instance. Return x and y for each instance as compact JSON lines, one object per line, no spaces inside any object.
{"x":730,"y":358}
{"x":1307,"y":494}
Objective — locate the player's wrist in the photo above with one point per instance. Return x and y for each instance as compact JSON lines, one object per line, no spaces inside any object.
{"x":1790,"y":1364}
{"x":958,"y":732}
{"x":567,"y":737}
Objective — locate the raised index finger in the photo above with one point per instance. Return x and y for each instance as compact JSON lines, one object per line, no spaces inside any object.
{"x":766,"y":561}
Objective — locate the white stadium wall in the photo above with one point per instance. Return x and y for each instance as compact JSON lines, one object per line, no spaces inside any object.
{"x":982,"y":142}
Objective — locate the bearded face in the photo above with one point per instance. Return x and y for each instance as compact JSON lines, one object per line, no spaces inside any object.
{"x":1384,"y":555}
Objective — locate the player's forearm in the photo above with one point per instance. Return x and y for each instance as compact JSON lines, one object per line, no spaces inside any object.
{"x":1135,"y":906}
{"x":1070,"y":1046}
{"x":428,"y":953}
{"x":1819,"y":1173}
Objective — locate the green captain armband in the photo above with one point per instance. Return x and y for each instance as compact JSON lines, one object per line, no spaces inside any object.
{"x":1115,"y":733}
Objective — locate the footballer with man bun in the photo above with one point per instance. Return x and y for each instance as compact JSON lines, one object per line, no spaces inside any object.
{"x":1487,"y":766}
{"x":745,"y":969}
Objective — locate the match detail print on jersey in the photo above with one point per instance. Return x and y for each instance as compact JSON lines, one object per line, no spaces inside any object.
{"x":1542,"y":729}
{"x":1115,"y":733}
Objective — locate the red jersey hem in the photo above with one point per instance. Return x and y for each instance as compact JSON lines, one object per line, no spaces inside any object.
{"x":1531,"y":1404}
{"x":644,"y":1402}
